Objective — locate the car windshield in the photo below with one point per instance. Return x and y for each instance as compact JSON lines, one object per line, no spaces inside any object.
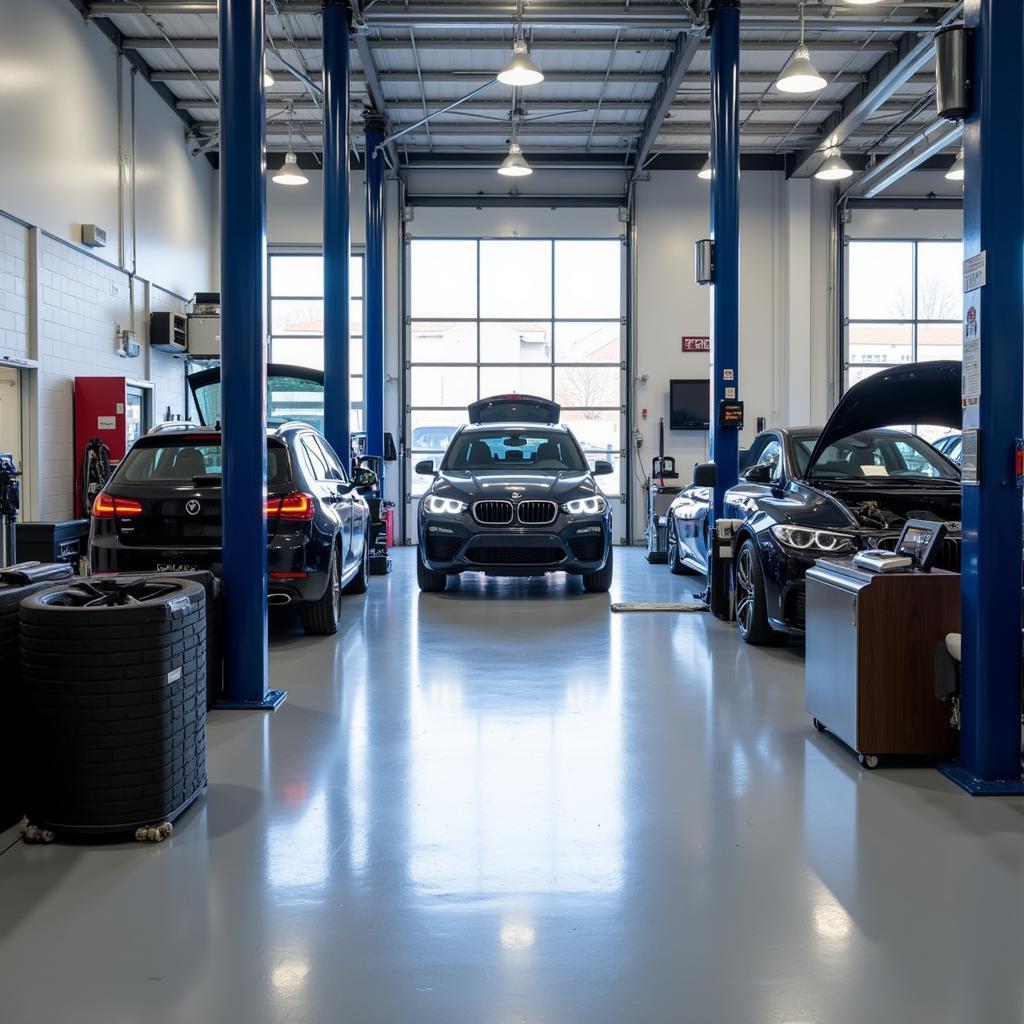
{"x":873,"y":457}
{"x":180,"y":462}
{"x":505,"y":449}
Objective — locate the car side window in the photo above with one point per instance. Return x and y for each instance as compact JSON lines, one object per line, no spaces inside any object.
{"x":771,"y":455}
{"x":335,"y":470}
{"x":314,"y":457}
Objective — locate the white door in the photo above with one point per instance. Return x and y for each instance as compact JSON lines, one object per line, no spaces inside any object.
{"x":10,"y":414}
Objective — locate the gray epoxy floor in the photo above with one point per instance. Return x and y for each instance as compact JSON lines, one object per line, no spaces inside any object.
{"x":505,"y":805}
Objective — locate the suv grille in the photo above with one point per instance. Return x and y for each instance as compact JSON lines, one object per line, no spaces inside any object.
{"x":536,"y":513}
{"x":493,"y":513}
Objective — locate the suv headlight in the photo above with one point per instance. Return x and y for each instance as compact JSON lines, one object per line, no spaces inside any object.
{"x":439,"y":506}
{"x":804,"y":539}
{"x":585,"y":506}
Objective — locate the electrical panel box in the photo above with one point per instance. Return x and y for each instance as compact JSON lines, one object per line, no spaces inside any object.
{"x":168,"y":332}
{"x":204,"y":337}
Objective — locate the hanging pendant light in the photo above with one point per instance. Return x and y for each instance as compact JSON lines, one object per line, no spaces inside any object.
{"x":706,"y":173}
{"x":835,"y":168}
{"x":290,"y":172}
{"x":268,"y":78}
{"x":515,"y":165}
{"x":520,"y":70}
{"x":800,"y":75}
{"x":956,"y":172}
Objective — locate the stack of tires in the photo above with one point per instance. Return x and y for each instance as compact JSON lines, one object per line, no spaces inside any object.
{"x":12,"y":760}
{"x":114,"y":683}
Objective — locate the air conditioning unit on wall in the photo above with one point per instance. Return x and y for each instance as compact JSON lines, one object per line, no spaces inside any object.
{"x":204,"y":337}
{"x":167,"y":332}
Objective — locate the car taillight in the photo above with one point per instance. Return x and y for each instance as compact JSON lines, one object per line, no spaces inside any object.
{"x":108,"y":507}
{"x":296,"y":505}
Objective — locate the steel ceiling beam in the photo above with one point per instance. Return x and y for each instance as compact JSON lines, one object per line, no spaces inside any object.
{"x":373,"y":87}
{"x":685,"y":50}
{"x":905,"y":158}
{"x":884,"y":80}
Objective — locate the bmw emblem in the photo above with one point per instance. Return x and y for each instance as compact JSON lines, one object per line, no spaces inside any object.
{"x":192,"y":507}
{"x":516,"y":495}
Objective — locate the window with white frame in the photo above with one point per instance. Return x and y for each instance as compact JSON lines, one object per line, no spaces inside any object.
{"x":296,"y":290}
{"x":533,"y":316}
{"x":904,"y":304}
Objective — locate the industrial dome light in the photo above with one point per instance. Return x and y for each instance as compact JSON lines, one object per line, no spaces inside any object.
{"x":268,"y":78}
{"x":290,"y":173}
{"x":520,"y":70}
{"x":835,"y":168}
{"x":515,"y":165}
{"x":705,"y":172}
{"x":800,"y":75}
{"x":956,"y":172}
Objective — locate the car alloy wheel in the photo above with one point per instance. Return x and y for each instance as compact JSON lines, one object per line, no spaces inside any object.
{"x":335,"y":588}
{"x":745,"y":590}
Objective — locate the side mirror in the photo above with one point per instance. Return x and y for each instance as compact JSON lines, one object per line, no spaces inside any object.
{"x":705,"y":474}
{"x":603,"y":468}
{"x":744,"y":458}
{"x":424,"y":468}
{"x":759,"y":474}
{"x":364,"y":479}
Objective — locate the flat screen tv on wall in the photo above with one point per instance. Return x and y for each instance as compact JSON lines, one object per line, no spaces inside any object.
{"x":689,"y":404}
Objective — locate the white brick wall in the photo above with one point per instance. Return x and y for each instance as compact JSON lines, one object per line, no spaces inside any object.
{"x":13,"y":288}
{"x":82,"y":303}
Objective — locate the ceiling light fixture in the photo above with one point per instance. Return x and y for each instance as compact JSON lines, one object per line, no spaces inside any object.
{"x":835,"y":168}
{"x":956,"y":172}
{"x":705,"y":173}
{"x":268,"y":78}
{"x":520,"y":70}
{"x":515,"y":165}
{"x":800,"y":75}
{"x":291,"y":172}
{"x":861,"y":3}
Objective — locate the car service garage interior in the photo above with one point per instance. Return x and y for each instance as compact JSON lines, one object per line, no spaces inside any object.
{"x":511,"y":512}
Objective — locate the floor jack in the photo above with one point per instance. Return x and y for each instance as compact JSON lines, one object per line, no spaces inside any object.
{"x":659,"y":496}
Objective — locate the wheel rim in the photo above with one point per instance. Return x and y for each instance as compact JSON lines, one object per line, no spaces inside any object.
{"x":335,"y":589}
{"x":744,"y":590}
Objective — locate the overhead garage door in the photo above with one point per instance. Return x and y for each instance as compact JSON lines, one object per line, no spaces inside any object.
{"x":538,"y":316}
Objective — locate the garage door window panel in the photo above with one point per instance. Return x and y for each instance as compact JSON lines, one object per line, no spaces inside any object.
{"x":443,"y":279}
{"x":443,"y":341}
{"x":516,"y":341}
{"x":515,"y":279}
{"x":587,"y":276}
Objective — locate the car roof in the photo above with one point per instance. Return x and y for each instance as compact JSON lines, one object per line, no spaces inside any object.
{"x":158,"y":438}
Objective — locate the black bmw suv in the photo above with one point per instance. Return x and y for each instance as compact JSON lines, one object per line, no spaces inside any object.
{"x":161,"y":512}
{"x":514,"y":496}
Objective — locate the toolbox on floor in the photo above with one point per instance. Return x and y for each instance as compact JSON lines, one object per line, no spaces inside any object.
{"x":53,"y":542}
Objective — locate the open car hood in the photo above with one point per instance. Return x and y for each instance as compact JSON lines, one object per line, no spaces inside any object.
{"x":293,"y":393}
{"x":514,"y":409}
{"x":912,"y":393}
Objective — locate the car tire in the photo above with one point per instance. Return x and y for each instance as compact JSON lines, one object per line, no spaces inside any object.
{"x":359,"y":583}
{"x":599,"y":582}
{"x":322,"y":617}
{"x":675,"y":563}
{"x":430,"y":582}
{"x":116,"y":693}
{"x":751,"y":604}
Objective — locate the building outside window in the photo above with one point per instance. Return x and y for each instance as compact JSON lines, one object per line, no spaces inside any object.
{"x":904,"y":304}
{"x":296,"y":290}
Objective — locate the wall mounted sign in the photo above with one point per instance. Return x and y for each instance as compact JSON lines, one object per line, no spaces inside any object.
{"x":976,"y":271}
{"x":696,"y":344}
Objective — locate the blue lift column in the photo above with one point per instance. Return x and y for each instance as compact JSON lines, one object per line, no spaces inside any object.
{"x":243,"y":205}
{"x":337,"y":422}
{"x":725,"y":230}
{"x":990,"y":738}
{"x":373,"y":402}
